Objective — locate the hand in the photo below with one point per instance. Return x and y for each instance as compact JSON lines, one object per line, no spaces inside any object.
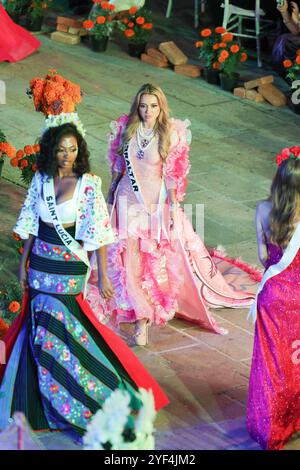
{"x":22,"y":277}
{"x":105,"y":288}
{"x":295,"y":12}
{"x":283,"y":8}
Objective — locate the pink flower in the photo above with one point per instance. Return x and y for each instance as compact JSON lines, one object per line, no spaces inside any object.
{"x":49,"y":345}
{"x":59,"y":288}
{"x":66,"y":408}
{"x":88,"y":189}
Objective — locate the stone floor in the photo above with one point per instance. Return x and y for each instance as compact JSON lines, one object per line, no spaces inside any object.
{"x":232,"y":157}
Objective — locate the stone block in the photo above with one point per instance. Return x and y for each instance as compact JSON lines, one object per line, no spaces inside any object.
{"x":259,"y":81}
{"x":173,"y":53}
{"x":152,"y":52}
{"x":152,"y":61}
{"x":240,"y":92}
{"x":65,"y":38}
{"x":63,"y":28}
{"x":192,"y":71}
{"x":71,"y":22}
{"x":272,"y":95}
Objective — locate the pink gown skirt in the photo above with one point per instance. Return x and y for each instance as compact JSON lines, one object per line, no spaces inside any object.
{"x":156,"y":278}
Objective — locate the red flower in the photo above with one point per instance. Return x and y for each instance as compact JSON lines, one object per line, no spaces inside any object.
{"x":14,"y":162}
{"x":205,"y":33}
{"x":227,"y":37}
{"x":234,"y":48}
{"x":24,"y":164}
{"x":130,"y":24}
{"x":101,"y":19}
{"x":28,"y":149}
{"x":147,"y":26}
{"x":287,"y":63}
{"x":199,"y":44}
{"x":133,"y":10}
{"x":88,"y":24}
{"x":220,"y":30}
{"x":140,"y":20}
{"x":244,"y":57}
{"x":20,"y":154}
{"x":67,"y":256}
{"x":14,"y":306}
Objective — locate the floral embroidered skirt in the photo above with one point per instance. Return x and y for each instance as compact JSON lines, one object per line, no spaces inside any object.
{"x":61,"y":369}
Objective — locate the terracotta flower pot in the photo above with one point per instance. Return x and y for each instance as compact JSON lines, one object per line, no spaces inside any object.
{"x":98,"y":44}
{"x":136,"y":49}
{"x":34,"y":23}
{"x":212,"y":76}
{"x":229,"y":82}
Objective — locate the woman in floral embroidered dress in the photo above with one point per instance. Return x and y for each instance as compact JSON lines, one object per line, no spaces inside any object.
{"x":159,"y":266}
{"x":61,"y":362}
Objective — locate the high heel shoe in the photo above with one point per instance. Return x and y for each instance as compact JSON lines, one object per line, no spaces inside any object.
{"x":141,"y":333}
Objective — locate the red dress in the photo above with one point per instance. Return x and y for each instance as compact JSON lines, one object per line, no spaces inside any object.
{"x":15,"y":42}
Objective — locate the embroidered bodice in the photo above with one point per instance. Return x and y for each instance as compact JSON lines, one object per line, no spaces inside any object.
{"x":93,"y":225}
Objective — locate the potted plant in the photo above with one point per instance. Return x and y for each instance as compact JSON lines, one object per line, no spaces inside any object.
{"x":100,"y":25}
{"x":6,"y":150}
{"x":230,"y":55}
{"x":10,"y":305}
{"x":208,"y":50}
{"x":293,"y":77}
{"x":137,"y":28}
{"x":14,"y":9}
{"x":35,"y":14}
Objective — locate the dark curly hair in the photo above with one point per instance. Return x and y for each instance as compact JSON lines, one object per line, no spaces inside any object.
{"x":47,"y":158}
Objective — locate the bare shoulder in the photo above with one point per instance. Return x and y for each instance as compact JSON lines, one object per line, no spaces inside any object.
{"x":264,"y":207}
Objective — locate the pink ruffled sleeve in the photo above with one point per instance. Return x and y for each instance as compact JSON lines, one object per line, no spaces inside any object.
{"x":116,"y":162}
{"x":177,"y":166}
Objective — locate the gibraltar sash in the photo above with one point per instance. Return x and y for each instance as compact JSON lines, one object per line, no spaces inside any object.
{"x":65,"y":237}
{"x":158,"y":215}
{"x":287,"y":257}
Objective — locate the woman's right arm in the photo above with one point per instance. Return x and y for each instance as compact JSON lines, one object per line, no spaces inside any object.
{"x":115,"y":178}
{"x":289,"y":21}
{"x":261,"y":236}
{"x":23,"y":262}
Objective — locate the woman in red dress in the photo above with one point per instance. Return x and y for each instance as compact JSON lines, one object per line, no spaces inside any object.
{"x":15,"y":42}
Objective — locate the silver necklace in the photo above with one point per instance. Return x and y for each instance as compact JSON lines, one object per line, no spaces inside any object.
{"x":144,"y":139}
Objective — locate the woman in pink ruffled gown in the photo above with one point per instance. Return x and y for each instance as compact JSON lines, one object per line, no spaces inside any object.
{"x":15,"y":42}
{"x":273,"y":413}
{"x":159,"y":266}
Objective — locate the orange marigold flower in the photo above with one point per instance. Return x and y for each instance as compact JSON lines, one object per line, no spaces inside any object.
{"x":14,"y":162}
{"x":199,"y":44}
{"x":14,"y":306}
{"x":216,"y":65}
{"x":147,"y":26}
{"x":23,"y":164}
{"x":298,"y":52}
{"x":88,"y":24}
{"x":287,"y":63}
{"x":133,"y":10}
{"x":101,"y":20}
{"x":3,"y":328}
{"x":20,"y":154}
{"x":220,"y":30}
{"x":221,"y":59}
{"x":205,"y":33}
{"x":234,"y":48}
{"x":140,"y":20}
{"x":130,"y":24}
{"x":222,"y":44}
{"x":244,"y":57}
{"x":224,"y":54}
{"x":28,"y":149}
{"x":125,"y":21}
{"x":227,"y":37}
{"x":36,"y":148}
{"x":216,"y":46}
{"x":298,"y":59}
{"x":105,"y":5}
{"x":129,"y":33}
{"x":21,"y":249}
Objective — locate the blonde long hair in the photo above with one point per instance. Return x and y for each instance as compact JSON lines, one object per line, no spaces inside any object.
{"x":162,"y":125}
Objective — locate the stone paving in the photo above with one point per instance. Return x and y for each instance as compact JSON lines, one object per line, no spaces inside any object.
{"x":232,"y":157}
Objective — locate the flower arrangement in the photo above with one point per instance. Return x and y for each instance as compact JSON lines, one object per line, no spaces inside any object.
{"x":101,"y":19}
{"x":137,"y":25}
{"x":114,"y":427}
{"x":37,"y":8}
{"x":10,"y":305}
{"x":54,"y":94}
{"x":288,"y":153}
{"x":19,"y":244}
{"x":220,"y":50}
{"x":25,"y":159}
{"x":293,"y":68}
